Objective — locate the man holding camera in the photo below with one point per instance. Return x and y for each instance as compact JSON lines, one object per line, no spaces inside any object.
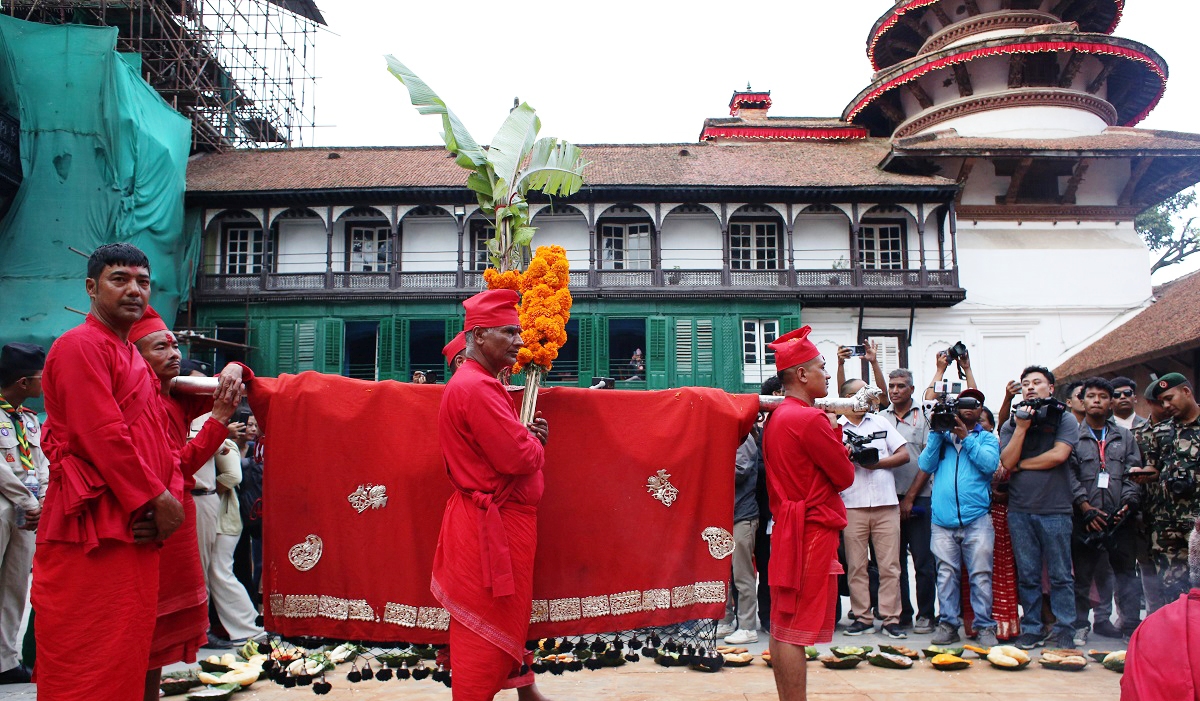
{"x":1105,"y":498}
{"x":1178,"y":502}
{"x":1035,"y":447}
{"x":962,"y":457}
{"x":873,"y":516}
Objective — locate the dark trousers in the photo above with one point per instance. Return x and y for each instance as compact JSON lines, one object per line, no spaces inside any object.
{"x":1086,"y":561}
{"x":915,"y":536}
{"x":762,"y":560}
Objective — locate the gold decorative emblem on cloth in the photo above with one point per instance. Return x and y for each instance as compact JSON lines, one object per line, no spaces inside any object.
{"x":368,"y":496}
{"x":720,"y":542}
{"x":304,"y":556}
{"x":660,"y":488}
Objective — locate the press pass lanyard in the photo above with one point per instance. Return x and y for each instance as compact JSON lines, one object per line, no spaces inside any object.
{"x":1102,"y":477}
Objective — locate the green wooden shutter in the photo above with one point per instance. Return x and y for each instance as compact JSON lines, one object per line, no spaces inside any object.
{"x":789,"y":322}
{"x":384,"y":352}
{"x":284,"y":358}
{"x":334,"y":341}
{"x":400,"y":349}
{"x":656,"y":355}
{"x":584,"y":342}
{"x":684,"y":372}
{"x":306,"y":345}
{"x":600,"y":344}
{"x":704,"y":353}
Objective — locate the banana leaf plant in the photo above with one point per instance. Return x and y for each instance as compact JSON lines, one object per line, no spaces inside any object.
{"x":503,"y":173}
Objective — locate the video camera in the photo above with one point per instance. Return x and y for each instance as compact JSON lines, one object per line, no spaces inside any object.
{"x":1041,"y":409}
{"x":941,"y":414}
{"x":859,"y":452}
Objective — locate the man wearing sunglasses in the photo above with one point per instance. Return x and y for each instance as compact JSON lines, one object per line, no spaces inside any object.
{"x":1124,"y":401}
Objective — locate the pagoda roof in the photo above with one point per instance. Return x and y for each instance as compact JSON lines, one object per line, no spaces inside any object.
{"x":1170,"y":325}
{"x":1141,"y":68}
{"x":780,"y":129}
{"x":777,"y":166}
{"x":892,"y":38}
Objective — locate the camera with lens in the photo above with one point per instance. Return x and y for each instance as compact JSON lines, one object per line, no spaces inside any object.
{"x":859,"y":451}
{"x":954,"y":354}
{"x":942,"y":415}
{"x":1179,"y":483}
{"x":1041,"y":410}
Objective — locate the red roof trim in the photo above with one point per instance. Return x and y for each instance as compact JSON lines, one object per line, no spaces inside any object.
{"x":749,"y":98}
{"x":898,"y":12}
{"x":783,"y":133}
{"x":1031,"y":47}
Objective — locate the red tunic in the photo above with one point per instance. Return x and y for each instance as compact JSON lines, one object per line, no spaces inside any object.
{"x":806,"y":468}
{"x":93,"y":588}
{"x":1163,"y":659}
{"x":483,"y":567}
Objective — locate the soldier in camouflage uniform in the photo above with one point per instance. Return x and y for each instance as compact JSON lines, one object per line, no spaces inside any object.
{"x":1177,"y":501}
{"x":1150,"y":436}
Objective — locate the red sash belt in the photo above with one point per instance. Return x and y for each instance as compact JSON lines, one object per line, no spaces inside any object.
{"x":788,"y":561}
{"x":494,"y":555}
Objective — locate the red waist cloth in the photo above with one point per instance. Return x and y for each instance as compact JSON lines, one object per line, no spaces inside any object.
{"x":1147,"y":677}
{"x":600,"y":531}
{"x":182,"y":596}
{"x":99,"y":603}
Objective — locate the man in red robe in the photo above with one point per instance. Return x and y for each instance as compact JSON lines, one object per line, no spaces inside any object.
{"x":806,"y":466}
{"x":182,"y":624}
{"x":113,"y":495}
{"x":483,"y":567}
{"x":1163,"y":659}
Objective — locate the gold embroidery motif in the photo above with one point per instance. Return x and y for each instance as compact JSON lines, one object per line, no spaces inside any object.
{"x":540,"y":613}
{"x":710,"y":592}
{"x":368,"y":496}
{"x":656,"y":599}
{"x":626,"y":602}
{"x":304,"y":556}
{"x":564,"y":610}
{"x":301,"y":606}
{"x":277,"y":605}
{"x":720,"y":542}
{"x":333,"y":607}
{"x":400,"y":614}
{"x":594,"y":606}
{"x":660,"y":487}
{"x":433,"y":618}
{"x":683,"y":596}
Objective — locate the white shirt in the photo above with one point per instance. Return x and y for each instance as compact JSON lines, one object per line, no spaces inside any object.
{"x":873,"y":487}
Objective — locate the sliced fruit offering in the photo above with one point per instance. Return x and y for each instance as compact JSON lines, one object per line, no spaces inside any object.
{"x":948,"y":663}
{"x":1008,"y":657}
{"x":851,"y":650}
{"x":935,"y":650}
{"x":900,"y":650}
{"x":1069,"y":663}
{"x":981,"y":651}
{"x":835,"y":662}
{"x":810,"y":652}
{"x":889,"y":661}
{"x":1114,"y":661}
{"x":1098,"y":655}
{"x":737,"y":659}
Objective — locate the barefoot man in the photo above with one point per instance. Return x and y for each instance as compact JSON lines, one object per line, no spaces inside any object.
{"x":483,"y":568}
{"x":806,"y":468}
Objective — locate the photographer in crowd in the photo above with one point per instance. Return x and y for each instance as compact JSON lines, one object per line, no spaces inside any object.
{"x":1035,"y":447}
{"x":1105,"y":500}
{"x":1177,"y":459}
{"x":962,"y":457}
{"x":873,"y":516}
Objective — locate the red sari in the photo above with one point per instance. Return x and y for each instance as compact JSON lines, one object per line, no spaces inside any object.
{"x":806,"y":469}
{"x":483,"y":567}
{"x":93,"y":588}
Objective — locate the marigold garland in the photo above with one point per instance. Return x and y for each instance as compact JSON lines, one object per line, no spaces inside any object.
{"x":545,"y":304}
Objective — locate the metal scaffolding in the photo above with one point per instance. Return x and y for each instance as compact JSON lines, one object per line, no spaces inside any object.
{"x":241,"y":70}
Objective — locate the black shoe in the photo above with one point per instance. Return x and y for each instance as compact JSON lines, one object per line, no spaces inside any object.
{"x":215,"y":643}
{"x":1106,"y":629}
{"x":858,"y":628}
{"x":893,"y":630}
{"x":17,"y":675}
{"x":1028,"y":641}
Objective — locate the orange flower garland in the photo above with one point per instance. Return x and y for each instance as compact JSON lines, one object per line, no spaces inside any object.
{"x":545,"y":304}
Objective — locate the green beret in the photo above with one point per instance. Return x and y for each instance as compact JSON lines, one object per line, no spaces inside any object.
{"x":1164,"y":383}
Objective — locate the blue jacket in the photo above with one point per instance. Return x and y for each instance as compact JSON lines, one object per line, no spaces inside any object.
{"x":962,"y":479}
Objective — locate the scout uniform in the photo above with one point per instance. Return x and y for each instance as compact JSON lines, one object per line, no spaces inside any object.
{"x":21,"y":448}
{"x":1177,"y":496}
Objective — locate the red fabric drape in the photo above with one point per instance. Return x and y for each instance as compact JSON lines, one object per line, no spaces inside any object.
{"x":610,"y":556}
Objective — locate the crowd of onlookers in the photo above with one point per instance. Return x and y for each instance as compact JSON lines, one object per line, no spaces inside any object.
{"x":1026,"y":524}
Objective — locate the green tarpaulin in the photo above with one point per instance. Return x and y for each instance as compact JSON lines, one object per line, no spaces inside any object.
{"x":104,"y":160}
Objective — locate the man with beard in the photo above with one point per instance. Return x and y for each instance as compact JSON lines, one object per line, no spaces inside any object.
{"x":489,"y":528}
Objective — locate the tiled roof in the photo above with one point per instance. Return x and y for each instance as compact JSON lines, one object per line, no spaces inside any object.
{"x":1169,"y":325}
{"x":791,"y":164}
{"x":1113,"y":139}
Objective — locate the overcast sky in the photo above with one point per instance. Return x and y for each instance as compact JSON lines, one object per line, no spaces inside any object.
{"x":630,"y":72}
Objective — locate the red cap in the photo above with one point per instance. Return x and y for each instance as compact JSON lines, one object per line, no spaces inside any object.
{"x":457,"y":345}
{"x":148,"y":324}
{"x":793,"y":348}
{"x":972,"y":393}
{"x":492,"y":308}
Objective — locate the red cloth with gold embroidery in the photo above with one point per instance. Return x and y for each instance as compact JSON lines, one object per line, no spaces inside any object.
{"x":1163,"y":660}
{"x":806,"y":468}
{"x":601,"y":533}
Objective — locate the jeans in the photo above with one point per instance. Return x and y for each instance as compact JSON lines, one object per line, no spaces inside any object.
{"x":915,"y":538}
{"x":971,"y":546}
{"x":1038,"y":538}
